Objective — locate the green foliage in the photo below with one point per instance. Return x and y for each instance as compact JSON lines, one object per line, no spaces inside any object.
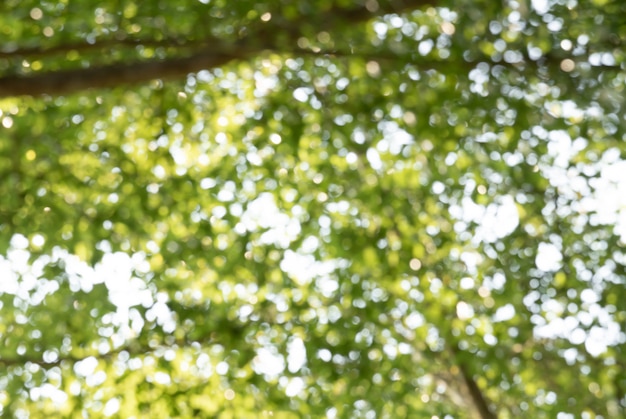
{"x":388,"y":209}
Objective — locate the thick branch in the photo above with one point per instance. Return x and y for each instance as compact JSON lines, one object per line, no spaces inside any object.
{"x":70,"y":81}
{"x":477,"y":396}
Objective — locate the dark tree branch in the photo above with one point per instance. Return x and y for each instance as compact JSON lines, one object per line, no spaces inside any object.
{"x":477,"y":396}
{"x":261,"y":37}
{"x":478,"y":399}
{"x":70,"y":81}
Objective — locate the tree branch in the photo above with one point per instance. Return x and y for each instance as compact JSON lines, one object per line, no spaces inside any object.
{"x":70,"y":81}
{"x":477,"y":396}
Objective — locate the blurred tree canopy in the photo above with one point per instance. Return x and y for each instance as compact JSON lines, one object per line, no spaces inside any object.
{"x":291,"y":209}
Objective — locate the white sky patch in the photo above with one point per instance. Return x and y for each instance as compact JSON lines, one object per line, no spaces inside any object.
{"x":568,"y":109}
{"x":296,"y":355}
{"x":48,"y":391}
{"x":264,"y":84}
{"x":608,"y":199}
{"x":115,"y":271}
{"x":560,"y":146}
{"x":161,"y":313}
{"x":495,"y":221}
{"x":540,"y":6}
{"x":549,"y":257}
{"x":26,"y":280}
{"x":499,"y":220}
{"x":394,"y":137}
{"x":86,"y":367}
{"x":327,"y":285}
{"x":301,"y":94}
{"x":310,"y":244}
{"x":180,"y":155}
{"x":295,"y":386}
{"x":268,"y":362}
{"x":302,"y":268}
{"x":125,"y":290}
{"x":9,"y":268}
{"x":414,"y":320}
{"x":96,"y":379}
{"x":603,"y":197}
{"x":263,"y":213}
{"x":467,"y":283}
{"x":111,"y":407}
{"x":600,"y":338}
{"x":162,"y":378}
{"x":596,"y":338}
{"x":381,"y":29}
{"x":464,"y":311}
{"x":471,"y":260}
{"x":504,"y":313}
{"x":374,"y":159}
